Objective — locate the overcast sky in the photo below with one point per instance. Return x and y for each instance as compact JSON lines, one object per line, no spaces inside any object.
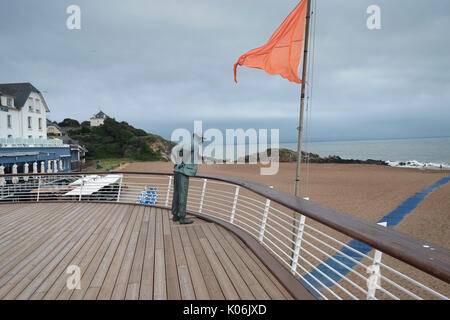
{"x":161,"y":64}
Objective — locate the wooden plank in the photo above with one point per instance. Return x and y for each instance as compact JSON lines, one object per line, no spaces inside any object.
{"x":213,"y":287}
{"x":265,"y":277}
{"x":99,"y":236}
{"x":59,"y":286}
{"x":134,"y":281}
{"x":108,"y":284}
{"x":225,"y":283}
{"x":42,"y":236}
{"x":160,"y":288}
{"x":173,"y":286}
{"x":59,"y":272}
{"x":146,"y":289}
{"x":23,"y":267}
{"x":231,"y":270}
{"x":122,"y":280}
{"x":16,"y":212}
{"x":22,"y":278}
{"x":257,"y":290}
{"x":198,"y":283}
{"x":184,"y":278}
{"x":117,"y":215}
{"x":18,"y":218}
{"x":16,"y":236}
{"x":104,"y":266}
{"x":88,"y":254}
{"x":58,"y":266}
{"x":7,"y":208}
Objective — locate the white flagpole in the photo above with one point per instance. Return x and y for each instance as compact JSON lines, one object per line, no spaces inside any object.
{"x":302,"y":101}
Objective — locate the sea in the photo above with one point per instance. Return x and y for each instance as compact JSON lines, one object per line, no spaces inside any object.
{"x":430,"y":153}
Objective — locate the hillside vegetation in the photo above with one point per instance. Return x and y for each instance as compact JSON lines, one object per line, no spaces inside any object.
{"x":119,"y":140}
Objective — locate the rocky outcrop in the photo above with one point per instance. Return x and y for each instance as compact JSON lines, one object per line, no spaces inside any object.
{"x":287,"y":155}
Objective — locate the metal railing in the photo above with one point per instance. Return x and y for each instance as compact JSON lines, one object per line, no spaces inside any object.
{"x":26,"y":142}
{"x":334,"y":255}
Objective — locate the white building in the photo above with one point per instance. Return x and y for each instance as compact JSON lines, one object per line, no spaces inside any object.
{"x":23,"y":112}
{"x":98,"y":119}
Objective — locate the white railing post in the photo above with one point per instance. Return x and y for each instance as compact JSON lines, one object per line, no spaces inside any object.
{"x":298,"y":243}
{"x":169,"y":185}
{"x":81,"y":188}
{"x":39,"y":189}
{"x":233,"y":210}
{"x":373,"y":281}
{"x":120,"y":188}
{"x":202,"y":197}
{"x":264,"y":220}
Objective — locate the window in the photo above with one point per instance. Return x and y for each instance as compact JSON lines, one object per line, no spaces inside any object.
{"x":40,"y":124}
{"x":29,"y":122}
{"x":9,"y":121}
{"x":30,"y":137}
{"x":9,"y":102}
{"x":30,"y":109}
{"x":38,"y":110}
{"x":9,"y":136}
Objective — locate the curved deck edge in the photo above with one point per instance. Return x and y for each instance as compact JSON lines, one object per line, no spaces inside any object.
{"x":291,"y":283}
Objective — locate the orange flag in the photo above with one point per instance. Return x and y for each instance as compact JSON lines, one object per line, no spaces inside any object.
{"x":282,"y":54}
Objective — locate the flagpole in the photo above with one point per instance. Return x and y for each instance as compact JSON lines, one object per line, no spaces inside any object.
{"x":300,"y":120}
{"x":302,"y":101}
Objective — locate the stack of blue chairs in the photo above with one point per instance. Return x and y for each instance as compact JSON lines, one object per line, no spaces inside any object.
{"x":149,"y":196}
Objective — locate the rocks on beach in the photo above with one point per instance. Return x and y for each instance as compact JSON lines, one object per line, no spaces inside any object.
{"x":287,"y":155}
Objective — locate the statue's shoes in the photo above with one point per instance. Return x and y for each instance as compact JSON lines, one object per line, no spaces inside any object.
{"x":185,"y":221}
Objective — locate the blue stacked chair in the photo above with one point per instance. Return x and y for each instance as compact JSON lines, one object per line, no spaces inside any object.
{"x":149,"y":196}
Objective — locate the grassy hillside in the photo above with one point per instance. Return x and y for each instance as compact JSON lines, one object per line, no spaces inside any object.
{"x":120,"y":140}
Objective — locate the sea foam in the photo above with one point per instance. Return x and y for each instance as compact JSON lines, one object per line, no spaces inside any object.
{"x":417,"y":164}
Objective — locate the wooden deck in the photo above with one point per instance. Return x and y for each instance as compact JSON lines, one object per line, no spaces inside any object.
{"x":124,"y":252}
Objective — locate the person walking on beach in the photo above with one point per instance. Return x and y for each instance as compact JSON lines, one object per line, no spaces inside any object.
{"x":185,"y":167}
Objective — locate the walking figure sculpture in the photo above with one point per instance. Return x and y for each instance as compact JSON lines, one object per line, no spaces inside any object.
{"x":185,"y":156}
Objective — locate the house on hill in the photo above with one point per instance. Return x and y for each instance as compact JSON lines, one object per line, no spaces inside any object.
{"x":53,"y":129}
{"x":98,"y":119}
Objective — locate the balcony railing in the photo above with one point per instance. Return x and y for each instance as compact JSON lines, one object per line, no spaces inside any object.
{"x":26,"y":142}
{"x":334,"y":255}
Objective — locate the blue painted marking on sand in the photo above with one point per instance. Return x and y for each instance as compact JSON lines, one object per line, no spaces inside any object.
{"x":393,"y":218}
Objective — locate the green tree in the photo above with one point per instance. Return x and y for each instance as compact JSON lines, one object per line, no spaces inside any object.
{"x":67,"y":122}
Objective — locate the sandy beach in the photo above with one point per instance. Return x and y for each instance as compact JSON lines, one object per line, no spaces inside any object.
{"x":368,"y":192}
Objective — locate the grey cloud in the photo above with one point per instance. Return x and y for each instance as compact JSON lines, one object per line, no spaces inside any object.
{"x":163,"y":64}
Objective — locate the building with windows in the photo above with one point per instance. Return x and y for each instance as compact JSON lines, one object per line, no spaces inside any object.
{"x":98,"y":119}
{"x":23,"y":132}
{"x":54,"y":130}
{"x":23,"y":112}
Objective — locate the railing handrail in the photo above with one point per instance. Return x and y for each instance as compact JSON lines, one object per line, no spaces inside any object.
{"x":423,"y":255}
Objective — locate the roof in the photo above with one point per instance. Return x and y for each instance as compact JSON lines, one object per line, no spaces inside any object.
{"x":100,"y":115}
{"x":20,"y":92}
{"x":54,"y":124}
{"x":73,"y":143}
